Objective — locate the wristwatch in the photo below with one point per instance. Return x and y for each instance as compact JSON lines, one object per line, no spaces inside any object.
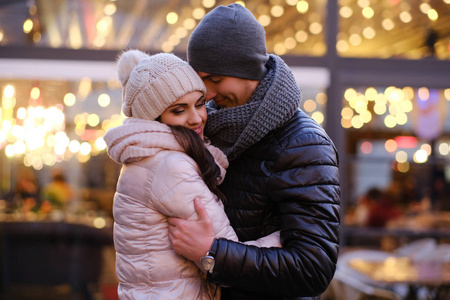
{"x":207,"y":262}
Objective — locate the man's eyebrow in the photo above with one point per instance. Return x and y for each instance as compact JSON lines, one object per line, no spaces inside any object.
{"x":209,"y":76}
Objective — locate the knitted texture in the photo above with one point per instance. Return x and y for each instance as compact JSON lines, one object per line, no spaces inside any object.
{"x":137,"y":139}
{"x":229,"y":41}
{"x":274,"y":102}
{"x":152,"y":83}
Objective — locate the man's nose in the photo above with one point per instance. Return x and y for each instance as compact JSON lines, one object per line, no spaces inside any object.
{"x":210,"y":92}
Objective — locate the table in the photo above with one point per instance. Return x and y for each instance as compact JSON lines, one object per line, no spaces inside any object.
{"x":394,"y":270}
{"x":50,"y":254}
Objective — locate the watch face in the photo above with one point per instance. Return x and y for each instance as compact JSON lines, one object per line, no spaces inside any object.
{"x":207,"y":262}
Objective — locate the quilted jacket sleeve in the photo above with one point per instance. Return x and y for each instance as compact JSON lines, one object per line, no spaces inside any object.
{"x":175,"y":187}
{"x":304,"y":186}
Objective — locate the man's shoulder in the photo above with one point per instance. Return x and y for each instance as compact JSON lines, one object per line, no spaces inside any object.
{"x":300,"y":126}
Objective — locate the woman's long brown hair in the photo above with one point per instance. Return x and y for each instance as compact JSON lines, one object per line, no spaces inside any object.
{"x":194,"y":146}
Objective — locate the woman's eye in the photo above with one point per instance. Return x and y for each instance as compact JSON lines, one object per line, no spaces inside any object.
{"x":177,"y":111}
{"x":201,"y":103}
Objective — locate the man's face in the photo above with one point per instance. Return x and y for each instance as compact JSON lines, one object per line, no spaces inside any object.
{"x":228,"y":91}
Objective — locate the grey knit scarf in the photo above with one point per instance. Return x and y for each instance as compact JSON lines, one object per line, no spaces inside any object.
{"x":273,"y":103}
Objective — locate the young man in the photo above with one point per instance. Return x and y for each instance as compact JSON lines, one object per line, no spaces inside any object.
{"x":283,"y":172}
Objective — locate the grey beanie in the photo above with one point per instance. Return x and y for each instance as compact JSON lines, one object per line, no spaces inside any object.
{"x":152,"y":83}
{"x":229,"y":41}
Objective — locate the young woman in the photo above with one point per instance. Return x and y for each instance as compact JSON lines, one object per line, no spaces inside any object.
{"x":166,"y":164}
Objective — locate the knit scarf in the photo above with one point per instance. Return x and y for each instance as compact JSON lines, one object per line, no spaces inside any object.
{"x":273,"y":103}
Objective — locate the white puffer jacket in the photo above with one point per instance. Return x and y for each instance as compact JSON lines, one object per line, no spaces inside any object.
{"x":159,"y":180}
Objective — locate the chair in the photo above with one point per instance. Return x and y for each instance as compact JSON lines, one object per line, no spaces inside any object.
{"x":417,"y":250}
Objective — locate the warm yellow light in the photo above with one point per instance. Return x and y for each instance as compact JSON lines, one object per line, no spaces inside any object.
{"x":291,"y":2}
{"x":277,"y":11}
{"x":363,"y":3}
{"x":279,"y":49}
{"x":346,"y":123}
{"x":371,"y":93}
{"x":315,"y":28}
{"x":406,"y":105}
{"x":388,"y":24}
{"x":426,"y":148}
{"x":301,"y":36}
{"x":389,"y":121}
{"x":21,"y":113}
{"x":102,"y":26}
{"x":69,"y":99}
{"x":355,"y":39}
{"x":433,"y":15}
{"x":209,"y":3}
{"x":390,"y":145}
{"x":349,"y":94}
{"x":318,"y":117}
{"x":264,"y":20}
{"x":401,"y":118}
{"x":99,"y":223}
{"x":9,"y":91}
{"x":104,"y":100}
{"x":85,"y":148}
{"x":357,"y":122}
{"x":345,"y":12}
{"x":423,"y":93}
{"x":100,"y":144}
{"x":290,"y":43}
{"x":368,"y":33}
{"x":366,"y":116}
{"x":425,"y":7}
{"x":447,"y":93}
{"x":405,"y":17}
{"x":368,"y":12}
{"x":167,"y":47}
{"x":444,"y":149}
{"x":342,"y":46}
{"x":35,"y":93}
{"x":321,"y":98}
{"x":310,"y":105}
{"x":27,"y":26}
{"x":74,"y":146}
{"x":172,"y":18}
{"x":198,"y":13}
{"x":404,"y":168}
{"x":241,"y":3}
{"x":181,"y":32}
{"x":347,"y":113}
{"x":420,"y":156}
{"x":109,"y":9}
{"x":189,"y":23}
{"x":93,"y":120}
{"x":302,"y":6}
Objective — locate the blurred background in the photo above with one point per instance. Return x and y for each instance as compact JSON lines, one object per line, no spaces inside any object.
{"x":374,"y":73}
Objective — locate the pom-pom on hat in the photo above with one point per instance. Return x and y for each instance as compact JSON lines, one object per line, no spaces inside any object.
{"x":229,"y":41}
{"x":152,"y":83}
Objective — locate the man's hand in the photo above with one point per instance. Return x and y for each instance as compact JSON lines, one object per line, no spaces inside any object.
{"x":192,"y":239}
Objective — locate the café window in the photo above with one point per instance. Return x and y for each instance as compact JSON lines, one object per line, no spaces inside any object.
{"x":394,"y":29}
{"x":294,"y":27}
{"x":398,"y":143}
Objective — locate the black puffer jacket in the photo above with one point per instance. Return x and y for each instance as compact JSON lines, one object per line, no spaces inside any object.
{"x":288,"y":181}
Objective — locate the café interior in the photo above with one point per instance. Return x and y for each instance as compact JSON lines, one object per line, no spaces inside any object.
{"x":374,"y":73}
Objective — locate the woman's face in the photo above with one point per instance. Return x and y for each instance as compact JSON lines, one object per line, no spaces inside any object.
{"x":188,"y":111}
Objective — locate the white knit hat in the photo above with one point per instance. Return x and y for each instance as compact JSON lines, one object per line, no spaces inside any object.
{"x":152,"y":83}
